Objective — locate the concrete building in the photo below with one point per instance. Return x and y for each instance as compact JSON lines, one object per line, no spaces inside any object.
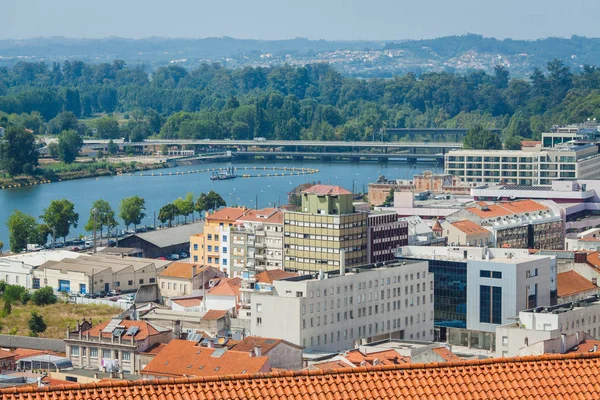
{"x":572,"y":287}
{"x":524,"y":167}
{"x":261,"y":282}
{"x":466,"y":233}
{"x":18,"y":269}
{"x":326,"y":233}
{"x":337,"y":310}
{"x":518,"y":224}
{"x":257,"y":241}
{"x":87,"y":274}
{"x":385,"y":234}
{"x":212,"y":246}
{"x":543,"y":323}
{"x":184,"y":279}
{"x":113,"y":346}
{"x":477,"y":288}
{"x":282,"y":354}
{"x":163,"y":242}
{"x":420,"y":233}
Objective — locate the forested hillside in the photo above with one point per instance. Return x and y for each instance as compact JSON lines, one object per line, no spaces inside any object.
{"x":286,"y":102}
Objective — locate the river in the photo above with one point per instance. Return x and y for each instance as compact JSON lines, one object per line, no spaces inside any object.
{"x":159,"y":190}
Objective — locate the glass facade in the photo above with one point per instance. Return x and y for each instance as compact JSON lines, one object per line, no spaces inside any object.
{"x":449,"y":291}
{"x":490,"y":304}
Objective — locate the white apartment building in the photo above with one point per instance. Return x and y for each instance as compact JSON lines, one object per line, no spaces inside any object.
{"x":18,"y":269}
{"x":524,"y":167}
{"x":543,"y":323}
{"x":336,"y":311}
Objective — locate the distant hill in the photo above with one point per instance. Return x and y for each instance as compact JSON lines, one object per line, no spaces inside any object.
{"x":357,"y":58}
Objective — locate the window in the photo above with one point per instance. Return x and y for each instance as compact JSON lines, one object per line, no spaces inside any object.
{"x":195,"y":246}
{"x":130,"y":283}
{"x":162,"y":285}
{"x":209,"y":247}
{"x":209,"y":236}
{"x":217,"y":236}
{"x":93,"y":352}
{"x":504,"y":340}
{"x":497,"y":274}
{"x":258,"y":307}
{"x":106,"y":353}
{"x":74,"y":350}
{"x":210,"y":259}
{"x":216,"y":248}
{"x":258,"y":321}
{"x":152,"y":280}
{"x":224,"y":238}
{"x":195,"y":258}
{"x":224,"y":250}
{"x":141,"y":281}
{"x":490,"y":304}
{"x":224,"y":261}
{"x":485,"y":274}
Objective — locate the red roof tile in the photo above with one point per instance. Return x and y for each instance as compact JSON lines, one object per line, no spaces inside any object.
{"x":330,"y":365}
{"x":586,"y":346}
{"x":570,"y":283}
{"x":265,"y":344}
{"x":155,"y":349}
{"x":326,"y":190}
{"x":266,"y":215}
{"x":212,"y":315}
{"x":227,"y":214}
{"x":190,"y":302}
{"x":145,"y":329}
{"x":505,"y":209}
{"x":469,"y":227}
{"x":6,"y":354}
{"x":446,"y":354}
{"x":186,"y":358}
{"x":385,"y":357}
{"x":567,"y":376}
{"x":273,"y":275}
{"x":181,"y":270}
{"x":227,"y":287}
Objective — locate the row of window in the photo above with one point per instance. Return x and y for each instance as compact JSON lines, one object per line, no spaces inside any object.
{"x":324,"y":237}
{"x":224,"y":248}
{"x":216,"y":237}
{"x":490,"y":274}
{"x":106,"y":353}
{"x":182,"y":286}
{"x":326,"y":226}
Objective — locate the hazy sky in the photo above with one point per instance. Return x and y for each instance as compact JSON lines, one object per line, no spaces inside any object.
{"x":314,"y":19}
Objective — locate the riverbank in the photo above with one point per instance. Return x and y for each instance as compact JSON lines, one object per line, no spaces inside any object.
{"x":58,"y":172}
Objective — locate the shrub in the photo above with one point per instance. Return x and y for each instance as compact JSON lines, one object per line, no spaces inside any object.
{"x":36,"y":324}
{"x":44,"y":296}
{"x":13,"y":293}
{"x":25,"y":297}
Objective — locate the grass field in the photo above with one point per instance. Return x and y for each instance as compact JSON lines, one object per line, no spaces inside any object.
{"x":57,"y":317}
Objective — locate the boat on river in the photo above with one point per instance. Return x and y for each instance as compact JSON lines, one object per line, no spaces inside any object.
{"x":229,"y":173}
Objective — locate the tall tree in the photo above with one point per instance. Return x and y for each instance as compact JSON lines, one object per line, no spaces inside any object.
{"x":60,"y":216}
{"x":512,"y":143}
{"x":22,"y":229}
{"x":480,"y":138}
{"x":168,"y":212}
{"x":36,"y":324}
{"x":18,"y":152}
{"x":113,"y":148}
{"x":69,"y":144}
{"x":131,"y":211}
{"x":105,"y":216}
{"x":213,"y":201}
{"x":185,"y":206}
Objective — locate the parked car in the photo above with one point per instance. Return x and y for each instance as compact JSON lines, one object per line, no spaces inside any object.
{"x":174,"y":256}
{"x":183,"y":254}
{"x":90,"y":295}
{"x":115,"y":292}
{"x":123,"y":300}
{"x":75,"y":248}
{"x":100,"y":294}
{"x":161,"y":258}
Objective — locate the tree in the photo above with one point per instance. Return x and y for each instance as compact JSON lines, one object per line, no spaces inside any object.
{"x":12,"y":293}
{"x":53,"y":150}
{"x":44,"y":296}
{"x":69,"y":144}
{"x":480,"y":138}
{"x":25,"y":297}
{"x":164,"y":150}
{"x":107,"y":128}
{"x":214,"y":201}
{"x":65,"y":121}
{"x":167,"y":213}
{"x":185,"y":206}
{"x":200,"y":204}
{"x":389,"y":200}
{"x":105,"y":216}
{"x":36,"y":324}
{"x":18,"y":152}
{"x":512,"y":143}
{"x":131,"y":211}
{"x":113,"y":148}
{"x":60,"y":216}
{"x":22,"y":228}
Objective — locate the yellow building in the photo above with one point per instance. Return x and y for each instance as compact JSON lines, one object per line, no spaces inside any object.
{"x":326,"y":233}
{"x":212,"y":246}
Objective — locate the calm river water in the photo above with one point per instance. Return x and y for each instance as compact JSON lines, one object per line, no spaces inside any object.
{"x":158,"y":191}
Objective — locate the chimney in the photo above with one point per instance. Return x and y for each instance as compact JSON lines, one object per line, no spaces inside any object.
{"x":342,"y":262}
{"x":257,"y":351}
{"x":177,"y":329}
{"x":39,"y":381}
{"x":210,"y":344}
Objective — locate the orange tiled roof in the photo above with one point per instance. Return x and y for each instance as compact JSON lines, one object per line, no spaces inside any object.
{"x":183,"y":357}
{"x":570,"y":283}
{"x":586,"y":346}
{"x":326,"y":189}
{"x":268,"y":215}
{"x":191,"y":302}
{"x":227,"y":214}
{"x":227,"y":287}
{"x":504,"y":209}
{"x":385,"y":357}
{"x":212,"y":315}
{"x":7,"y":354}
{"x":593,"y":259}
{"x":273,"y":275}
{"x":568,"y":376}
{"x":330,"y":365}
{"x":469,"y":227}
{"x":22,"y":353}
{"x":155,"y":349}
{"x":437,"y":227}
{"x":181,"y":270}
{"x":530,"y":143}
{"x":145,"y":329}
{"x":265,"y":344}
{"x":446,"y":354}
